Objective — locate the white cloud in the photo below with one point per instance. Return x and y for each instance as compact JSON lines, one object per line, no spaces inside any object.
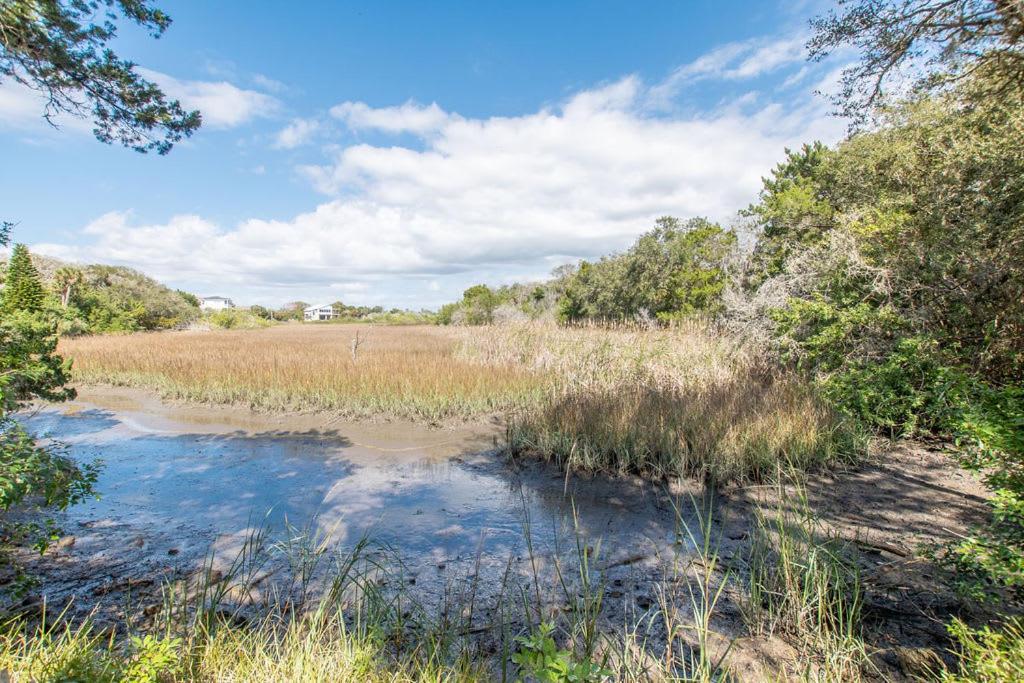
{"x":405,"y":118}
{"x":296,"y":133}
{"x":733,"y":62}
{"x":222,"y":104}
{"x":22,"y":108}
{"x":269,"y":84}
{"x":479,"y":199}
{"x":770,"y":57}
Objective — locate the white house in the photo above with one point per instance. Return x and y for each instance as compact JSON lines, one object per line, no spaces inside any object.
{"x":215,"y":303}
{"x":321,"y":312}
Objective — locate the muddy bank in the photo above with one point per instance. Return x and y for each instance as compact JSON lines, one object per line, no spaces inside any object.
{"x":445,"y":506}
{"x":179,"y":481}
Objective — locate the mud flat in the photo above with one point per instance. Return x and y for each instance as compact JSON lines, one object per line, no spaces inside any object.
{"x":179,"y":482}
{"x":183,"y":483}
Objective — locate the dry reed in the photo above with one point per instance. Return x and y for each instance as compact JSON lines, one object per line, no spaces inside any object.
{"x":412,"y":372}
{"x":689,"y":400}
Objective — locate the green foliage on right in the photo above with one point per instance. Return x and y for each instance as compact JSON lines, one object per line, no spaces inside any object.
{"x":891,"y":269}
{"x":988,"y":655}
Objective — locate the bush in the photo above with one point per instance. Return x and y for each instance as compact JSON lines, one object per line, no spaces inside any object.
{"x":31,"y":369}
{"x":30,"y":474}
{"x":674,"y":271}
{"x":236,"y":319}
{"x":988,"y":655}
{"x":890,"y":271}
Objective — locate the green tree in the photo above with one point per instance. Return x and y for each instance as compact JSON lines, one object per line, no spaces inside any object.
{"x":478,"y":304}
{"x":261,"y":312}
{"x":66,"y":279}
{"x":23,"y":291}
{"x":62,"y":49}
{"x":189,"y":298}
{"x":940,"y":42}
{"x":675,"y":270}
{"x":795,"y":208}
{"x":30,"y":368}
{"x":291,"y":311}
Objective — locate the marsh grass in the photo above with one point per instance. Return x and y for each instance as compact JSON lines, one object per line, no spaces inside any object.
{"x":411,"y":372}
{"x":348,"y":615}
{"x":684,"y":401}
{"x":805,"y":587}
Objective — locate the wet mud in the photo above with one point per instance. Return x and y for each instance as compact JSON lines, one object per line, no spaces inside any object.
{"x":181,"y":483}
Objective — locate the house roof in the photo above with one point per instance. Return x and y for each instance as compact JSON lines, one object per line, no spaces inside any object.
{"x":313,"y":308}
{"x":215,"y":298}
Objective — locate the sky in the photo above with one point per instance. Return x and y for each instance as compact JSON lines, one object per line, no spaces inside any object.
{"x":395,"y":153}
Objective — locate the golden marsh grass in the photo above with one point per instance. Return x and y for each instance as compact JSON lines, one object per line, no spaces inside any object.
{"x":682,"y":401}
{"x":412,"y":372}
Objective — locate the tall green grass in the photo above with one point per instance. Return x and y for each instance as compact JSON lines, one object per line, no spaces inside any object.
{"x":350,"y":616}
{"x":805,"y":585}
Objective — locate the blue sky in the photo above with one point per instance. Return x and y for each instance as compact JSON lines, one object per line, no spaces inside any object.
{"x":394,"y":153}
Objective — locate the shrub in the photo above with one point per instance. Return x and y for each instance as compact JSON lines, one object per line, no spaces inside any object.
{"x":236,"y":319}
{"x":988,"y":655}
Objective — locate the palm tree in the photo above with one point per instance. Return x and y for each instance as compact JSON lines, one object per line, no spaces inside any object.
{"x":66,"y":279}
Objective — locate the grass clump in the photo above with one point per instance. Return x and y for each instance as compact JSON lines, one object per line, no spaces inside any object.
{"x":804,"y":587}
{"x":683,"y":401}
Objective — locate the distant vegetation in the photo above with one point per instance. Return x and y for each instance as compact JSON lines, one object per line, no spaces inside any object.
{"x":348,"y":313}
{"x":675,"y":271}
{"x":97,"y":298}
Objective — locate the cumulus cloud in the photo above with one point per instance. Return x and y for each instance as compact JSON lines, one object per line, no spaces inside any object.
{"x":769,"y":57}
{"x":298,"y":132}
{"x":483,"y":199}
{"x":405,"y":118}
{"x":223,"y":104}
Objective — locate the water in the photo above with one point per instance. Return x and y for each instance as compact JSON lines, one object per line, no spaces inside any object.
{"x":177,"y":481}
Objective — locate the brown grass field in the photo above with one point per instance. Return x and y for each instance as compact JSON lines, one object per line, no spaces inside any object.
{"x":688,"y":400}
{"x":412,"y":372}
